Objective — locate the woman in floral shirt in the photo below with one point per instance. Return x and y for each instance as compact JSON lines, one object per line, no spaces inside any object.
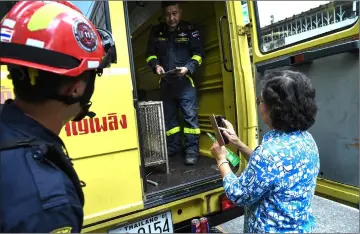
{"x":279,"y":181}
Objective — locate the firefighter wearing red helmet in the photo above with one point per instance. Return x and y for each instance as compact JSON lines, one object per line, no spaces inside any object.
{"x":53,"y":55}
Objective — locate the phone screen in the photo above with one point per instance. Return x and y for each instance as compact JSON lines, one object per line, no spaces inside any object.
{"x":220,"y":123}
{"x":216,"y":122}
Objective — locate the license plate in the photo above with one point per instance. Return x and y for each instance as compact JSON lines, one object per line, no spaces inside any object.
{"x":161,"y":223}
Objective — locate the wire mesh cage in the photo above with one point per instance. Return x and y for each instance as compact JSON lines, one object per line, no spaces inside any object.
{"x":153,"y":133}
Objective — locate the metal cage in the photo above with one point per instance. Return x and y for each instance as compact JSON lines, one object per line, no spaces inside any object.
{"x":153,"y":133}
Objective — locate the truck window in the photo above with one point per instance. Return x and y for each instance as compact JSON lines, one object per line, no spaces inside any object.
{"x":245,"y":11}
{"x":299,"y":21}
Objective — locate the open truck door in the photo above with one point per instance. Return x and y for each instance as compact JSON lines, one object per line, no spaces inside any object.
{"x":320,"y":39}
{"x":241,"y":67}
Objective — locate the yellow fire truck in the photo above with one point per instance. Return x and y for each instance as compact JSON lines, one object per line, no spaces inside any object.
{"x":131,"y":184}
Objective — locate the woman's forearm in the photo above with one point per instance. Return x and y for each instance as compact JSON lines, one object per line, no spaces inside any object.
{"x":224,"y":168}
{"x":245,"y":150}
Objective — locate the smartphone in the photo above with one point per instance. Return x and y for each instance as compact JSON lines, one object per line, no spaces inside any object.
{"x":216,"y":122}
{"x":220,"y":123}
{"x":170,"y":72}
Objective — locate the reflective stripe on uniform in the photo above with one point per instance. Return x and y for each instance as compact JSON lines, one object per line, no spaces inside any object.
{"x":191,"y":80}
{"x":173,"y":131}
{"x":195,"y":131}
{"x":197,"y":58}
{"x":151,"y":57}
{"x":63,"y":230}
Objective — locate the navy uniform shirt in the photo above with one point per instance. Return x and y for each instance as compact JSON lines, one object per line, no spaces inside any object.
{"x":36,"y":195}
{"x":179,"y":48}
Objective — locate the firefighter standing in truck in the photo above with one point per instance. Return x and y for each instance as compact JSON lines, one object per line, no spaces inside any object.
{"x":176,"y":44}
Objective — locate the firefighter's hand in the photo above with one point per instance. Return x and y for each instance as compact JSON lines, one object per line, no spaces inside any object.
{"x":182,"y":71}
{"x":159,"y":69}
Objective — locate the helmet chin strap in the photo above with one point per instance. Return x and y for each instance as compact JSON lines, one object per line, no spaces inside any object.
{"x":85,"y":102}
{"x":91,"y":114}
{"x":84,"y":112}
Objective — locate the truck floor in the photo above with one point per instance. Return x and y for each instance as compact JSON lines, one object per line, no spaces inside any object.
{"x":180,"y":173}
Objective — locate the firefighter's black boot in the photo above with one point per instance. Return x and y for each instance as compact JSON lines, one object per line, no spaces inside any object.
{"x":191,"y":158}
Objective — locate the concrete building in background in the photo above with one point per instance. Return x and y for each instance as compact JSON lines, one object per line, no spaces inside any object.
{"x":98,"y":15}
{"x":315,"y":21}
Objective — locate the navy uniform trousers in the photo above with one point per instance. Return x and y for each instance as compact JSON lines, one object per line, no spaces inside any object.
{"x":180,"y":93}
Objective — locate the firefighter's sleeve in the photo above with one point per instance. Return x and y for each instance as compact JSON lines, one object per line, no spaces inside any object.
{"x":151,"y":58}
{"x":197,"y":50}
{"x":64,"y":218}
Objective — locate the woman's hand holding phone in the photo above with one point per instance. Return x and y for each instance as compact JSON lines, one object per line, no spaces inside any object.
{"x":230,"y":134}
{"x":218,"y":151}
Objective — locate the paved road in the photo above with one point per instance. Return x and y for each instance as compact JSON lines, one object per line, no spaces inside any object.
{"x":331,"y":217}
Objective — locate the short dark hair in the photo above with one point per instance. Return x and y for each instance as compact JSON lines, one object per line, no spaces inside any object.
{"x":290,"y":97}
{"x":45,"y":86}
{"x":165,"y":4}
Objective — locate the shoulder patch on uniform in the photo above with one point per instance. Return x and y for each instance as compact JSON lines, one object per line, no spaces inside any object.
{"x":62,"y":230}
{"x":195,"y":33}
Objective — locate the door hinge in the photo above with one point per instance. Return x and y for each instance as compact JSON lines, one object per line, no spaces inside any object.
{"x":244,"y":30}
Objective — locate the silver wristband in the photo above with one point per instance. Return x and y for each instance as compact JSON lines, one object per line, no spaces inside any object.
{"x":222,"y":164}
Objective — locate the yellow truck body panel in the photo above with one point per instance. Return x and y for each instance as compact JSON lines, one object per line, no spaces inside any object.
{"x":105,"y":149}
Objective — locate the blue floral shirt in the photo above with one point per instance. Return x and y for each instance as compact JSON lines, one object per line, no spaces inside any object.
{"x":278,"y":184}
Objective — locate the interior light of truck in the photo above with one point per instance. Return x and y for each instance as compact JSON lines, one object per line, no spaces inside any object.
{"x":225,"y":203}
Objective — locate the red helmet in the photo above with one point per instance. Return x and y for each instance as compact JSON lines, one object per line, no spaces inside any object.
{"x":54,"y":36}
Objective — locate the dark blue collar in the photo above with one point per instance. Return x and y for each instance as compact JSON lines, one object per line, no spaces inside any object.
{"x":13,"y":117}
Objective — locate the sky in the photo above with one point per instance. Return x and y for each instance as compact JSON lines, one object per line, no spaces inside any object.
{"x":280,"y":9}
{"x":283,"y":9}
{"x":84,"y":6}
